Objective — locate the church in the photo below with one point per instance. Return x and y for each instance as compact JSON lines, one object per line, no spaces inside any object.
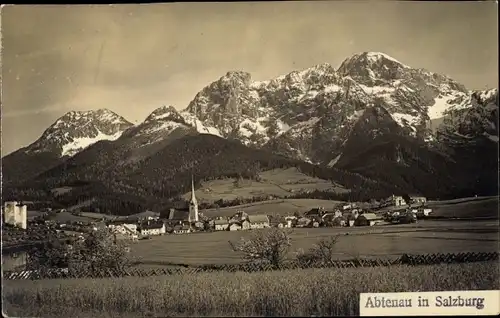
{"x":190,"y":213}
{"x":193,"y":205}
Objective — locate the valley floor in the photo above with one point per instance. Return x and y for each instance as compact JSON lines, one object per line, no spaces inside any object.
{"x":371,"y":242}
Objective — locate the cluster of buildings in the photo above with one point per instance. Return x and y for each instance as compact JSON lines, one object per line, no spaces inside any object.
{"x":189,"y":220}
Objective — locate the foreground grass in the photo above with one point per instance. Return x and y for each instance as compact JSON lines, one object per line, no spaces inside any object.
{"x":326,"y":292}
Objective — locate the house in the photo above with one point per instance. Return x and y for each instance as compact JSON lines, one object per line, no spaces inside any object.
{"x":258,"y":221}
{"x":152,"y":228}
{"x":417,"y":199}
{"x":235,"y":227}
{"x":303,"y":222}
{"x":245,"y":225}
{"x":367,"y":219}
{"x":396,"y":200}
{"x":315,"y":212}
{"x":199,"y":225}
{"x":125,"y":230}
{"x":239,"y":216}
{"x":221,"y":225}
{"x":340,"y":221}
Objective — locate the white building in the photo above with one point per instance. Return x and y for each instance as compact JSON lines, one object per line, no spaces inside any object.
{"x":153,"y":229}
{"x":221,"y":225}
{"x":128,"y":230}
{"x":396,"y":200}
{"x":259,"y":221}
{"x":16,"y":214}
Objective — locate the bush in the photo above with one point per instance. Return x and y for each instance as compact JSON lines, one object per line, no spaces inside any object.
{"x":98,"y":252}
{"x":322,"y":252}
{"x":265,"y":246}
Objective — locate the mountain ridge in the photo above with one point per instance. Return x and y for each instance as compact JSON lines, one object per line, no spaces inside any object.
{"x":372,"y":104}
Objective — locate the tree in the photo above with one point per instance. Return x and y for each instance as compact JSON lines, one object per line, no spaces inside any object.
{"x":407,"y":198}
{"x":99,"y":251}
{"x":265,"y":246}
{"x":52,"y":254}
{"x":322,"y":252}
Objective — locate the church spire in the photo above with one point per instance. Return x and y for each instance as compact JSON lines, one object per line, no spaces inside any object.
{"x":193,"y":196}
{"x":193,"y":204}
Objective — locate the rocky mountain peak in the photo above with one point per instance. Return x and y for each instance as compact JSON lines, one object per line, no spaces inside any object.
{"x":77,"y":130}
{"x":165,"y":113}
{"x":370,"y":68}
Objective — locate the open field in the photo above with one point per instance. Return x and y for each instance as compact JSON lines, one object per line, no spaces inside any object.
{"x":65,"y":217}
{"x":281,"y":207}
{"x":467,"y":207}
{"x":277,"y":182}
{"x":320,"y":292}
{"x":379,"y":242}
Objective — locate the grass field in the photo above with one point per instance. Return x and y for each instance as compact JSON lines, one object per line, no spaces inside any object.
{"x":466,"y":207}
{"x":277,"y":182}
{"x":379,"y":242}
{"x":320,"y":292}
{"x":274,"y":207}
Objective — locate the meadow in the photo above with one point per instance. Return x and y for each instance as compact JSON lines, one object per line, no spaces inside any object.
{"x":281,"y":207}
{"x":369,"y":242}
{"x":320,"y":292}
{"x":277,"y":182}
{"x":480,"y":207}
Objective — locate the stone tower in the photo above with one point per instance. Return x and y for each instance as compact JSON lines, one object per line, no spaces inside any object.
{"x":193,"y":203}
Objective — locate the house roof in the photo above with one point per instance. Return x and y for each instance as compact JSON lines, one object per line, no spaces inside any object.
{"x":145,"y":214}
{"x":258,"y":218}
{"x":151,"y":226}
{"x":221,"y":222}
{"x":180,"y":214}
{"x":370,"y":216}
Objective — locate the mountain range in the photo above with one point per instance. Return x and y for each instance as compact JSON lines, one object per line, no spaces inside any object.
{"x":374,"y":121}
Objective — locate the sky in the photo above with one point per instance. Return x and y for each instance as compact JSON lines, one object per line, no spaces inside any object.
{"x":134,"y":58}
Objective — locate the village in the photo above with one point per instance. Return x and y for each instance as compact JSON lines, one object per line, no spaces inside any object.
{"x":64,"y":224}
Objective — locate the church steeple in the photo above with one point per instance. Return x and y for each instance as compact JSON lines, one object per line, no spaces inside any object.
{"x":193,"y":204}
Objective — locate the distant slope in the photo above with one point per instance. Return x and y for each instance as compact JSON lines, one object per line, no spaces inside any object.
{"x":378,"y":149}
{"x":127,"y":187}
{"x":276,"y":182}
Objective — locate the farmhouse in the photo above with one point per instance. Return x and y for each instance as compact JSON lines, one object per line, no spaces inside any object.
{"x":128,"y":230}
{"x":152,"y":228}
{"x":235,"y":227}
{"x":418,"y":199}
{"x":258,"y":221}
{"x":221,"y":225}
{"x":303,"y":222}
{"x":315,"y":212}
{"x":396,"y":200}
{"x":367,"y":219}
{"x":199,"y":225}
{"x":182,"y":229}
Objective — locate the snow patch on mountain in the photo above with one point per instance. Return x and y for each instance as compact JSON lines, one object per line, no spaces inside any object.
{"x":78,"y":144}
{"x":198,"y":124}
{"x":77,"y":130}
{"x":441,"y":105}
{"x":406,"y":120}
{"x":377,"y":56}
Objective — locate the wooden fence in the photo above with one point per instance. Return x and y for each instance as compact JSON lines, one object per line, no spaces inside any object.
{"x":405,"y":259}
